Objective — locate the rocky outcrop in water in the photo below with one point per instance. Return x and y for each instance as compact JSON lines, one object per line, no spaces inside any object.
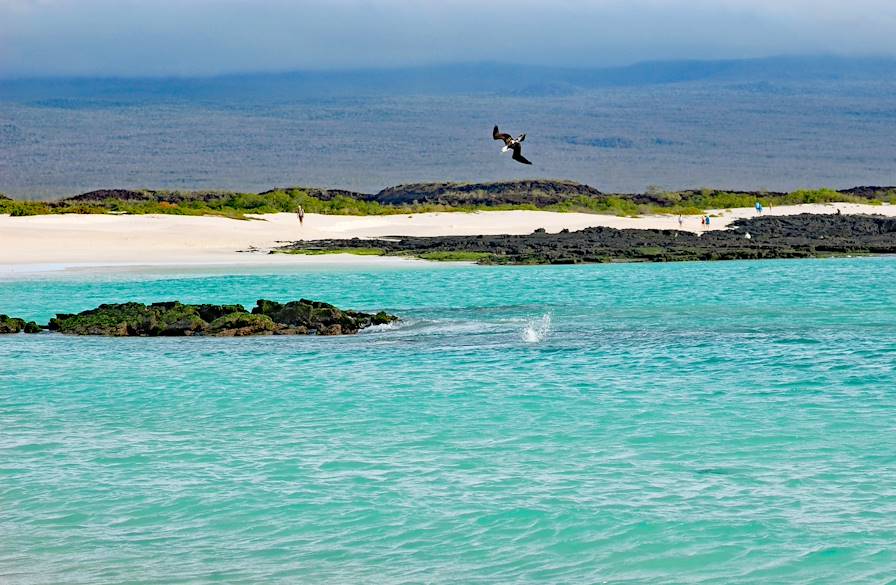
{"x":15,"y":325}
{"x":795,"y":236}
{"x":325,"y":319}
{"x":301,"y":317}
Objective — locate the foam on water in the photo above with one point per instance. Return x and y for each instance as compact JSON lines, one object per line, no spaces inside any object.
{"x":537,"y":330}
{"x":694,"y":423}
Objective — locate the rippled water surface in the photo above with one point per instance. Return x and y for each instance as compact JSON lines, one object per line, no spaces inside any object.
{"x":687,"y":423}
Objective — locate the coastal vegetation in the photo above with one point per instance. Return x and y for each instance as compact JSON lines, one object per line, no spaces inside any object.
{"x":561,"y":196}
{"x":360,"y":251}
{"x":175,"y":319}
{"x":455,"y":256}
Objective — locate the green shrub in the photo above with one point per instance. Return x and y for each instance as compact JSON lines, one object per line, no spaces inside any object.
{"x":318,"y":251}
{"x":23,"y":208}
{"x":238,"y":205}
{"x":457,"y":256}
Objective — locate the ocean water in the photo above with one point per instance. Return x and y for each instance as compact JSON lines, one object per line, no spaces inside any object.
{"x":684,"y":423}
{"x":783,"y":135}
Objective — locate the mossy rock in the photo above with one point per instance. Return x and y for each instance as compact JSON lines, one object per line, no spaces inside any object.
{"x":211,"y":312}
{"x":295,"y":313}
{"x":383,"y":318}
{"x":241,"y":324}
{"x":177,"y":319}
{"x":10,"y":325}
{"x":173,"y":319}
{"x":320,"y":318}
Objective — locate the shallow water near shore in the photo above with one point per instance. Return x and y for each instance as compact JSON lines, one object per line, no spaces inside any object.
{"x":726,"y":422}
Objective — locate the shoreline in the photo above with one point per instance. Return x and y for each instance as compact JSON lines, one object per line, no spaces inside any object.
{"x":52,"y":243}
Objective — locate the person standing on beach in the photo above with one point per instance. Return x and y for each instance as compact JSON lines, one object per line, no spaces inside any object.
{"x":301,"y":215}
{"x":680,"y":221}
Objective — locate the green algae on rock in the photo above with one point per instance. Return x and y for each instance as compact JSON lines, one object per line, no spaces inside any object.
{"x":15,"y":325}
{"x":302,"y":317}
{"x":324,"y":318}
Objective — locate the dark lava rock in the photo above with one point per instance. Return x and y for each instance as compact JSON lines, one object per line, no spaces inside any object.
{"x":795,"y":236}
{"x":241,"y":324}
{"x":868,"y":192}
{"x":535,"y":192}
{"x":322,"y":318}
{"x":177,"y":319}
{"x":101,"y":195}
{"x":105,"y":196}
{"x":16,"y":325}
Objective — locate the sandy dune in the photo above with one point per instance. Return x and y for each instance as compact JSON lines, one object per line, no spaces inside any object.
{"x":58,"y":241}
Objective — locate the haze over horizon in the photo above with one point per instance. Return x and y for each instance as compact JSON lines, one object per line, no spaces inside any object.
{"x":40,"y":38}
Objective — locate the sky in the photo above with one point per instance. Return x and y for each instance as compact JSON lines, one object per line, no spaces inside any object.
{"x":136,"y":38}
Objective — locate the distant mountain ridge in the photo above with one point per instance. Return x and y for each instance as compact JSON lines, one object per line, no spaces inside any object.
{"x":474,"y":78}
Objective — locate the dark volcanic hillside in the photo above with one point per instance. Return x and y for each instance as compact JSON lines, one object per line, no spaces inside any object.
{"x":103,"y":195}
{"x":528,"y":192}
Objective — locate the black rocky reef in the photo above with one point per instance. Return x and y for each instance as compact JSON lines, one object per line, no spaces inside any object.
{"x":16,"y":325}
{"x":795,"y":236}
{"x":301,"y":317}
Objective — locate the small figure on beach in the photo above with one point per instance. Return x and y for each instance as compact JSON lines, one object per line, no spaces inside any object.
{"x":680,"y":221}
{"x":707,"y":220}
{"x":703,"y":220}
{"x":758,"y":207}
{"x":300,"y":213}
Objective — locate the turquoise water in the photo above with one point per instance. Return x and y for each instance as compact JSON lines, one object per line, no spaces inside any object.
{"x":685,"y":423}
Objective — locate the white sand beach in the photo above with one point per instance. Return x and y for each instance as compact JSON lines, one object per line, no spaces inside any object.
{"x":49,"y":242}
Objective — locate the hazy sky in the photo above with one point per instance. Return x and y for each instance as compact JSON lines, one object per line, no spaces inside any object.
{"x":185,"y":37}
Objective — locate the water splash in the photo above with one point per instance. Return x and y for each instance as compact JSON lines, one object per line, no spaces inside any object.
{"x":537,"y":330}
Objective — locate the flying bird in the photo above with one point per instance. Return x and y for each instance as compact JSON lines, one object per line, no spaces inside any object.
{"x":511,"y":143}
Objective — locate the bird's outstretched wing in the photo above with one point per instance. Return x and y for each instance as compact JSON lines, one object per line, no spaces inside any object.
{"x":517,"y":155}
{"x":507,"y":138}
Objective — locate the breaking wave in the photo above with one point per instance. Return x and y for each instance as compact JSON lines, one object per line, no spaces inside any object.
{"x":537,"y":330}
